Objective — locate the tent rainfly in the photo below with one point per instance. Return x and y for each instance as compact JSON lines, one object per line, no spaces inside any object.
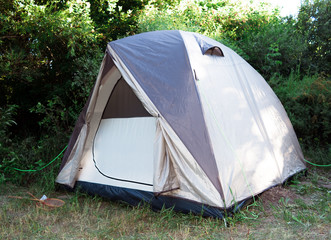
{"x":179,"y":120}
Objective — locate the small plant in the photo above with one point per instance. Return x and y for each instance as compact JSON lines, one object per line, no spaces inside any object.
{"x":304,"y":188}
{"x":8,"y":156}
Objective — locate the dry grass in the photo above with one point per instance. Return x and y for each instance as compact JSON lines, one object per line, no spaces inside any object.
{"x":300,"y":210}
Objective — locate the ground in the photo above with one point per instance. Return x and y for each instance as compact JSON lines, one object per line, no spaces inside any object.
{"x":300,"y":209}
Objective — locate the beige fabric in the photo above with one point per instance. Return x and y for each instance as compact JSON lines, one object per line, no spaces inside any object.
{"x":67,"y":176}
{"x":194,"y":184}
{"x":253,"y":140}
{"x":82,"y":148}
{"x":165,"y":176}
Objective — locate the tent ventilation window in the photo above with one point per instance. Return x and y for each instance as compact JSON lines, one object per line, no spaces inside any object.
{"x":215,"y":51}
{"x":207,"y":48}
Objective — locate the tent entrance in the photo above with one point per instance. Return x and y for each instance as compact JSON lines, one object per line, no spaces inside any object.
{"x":123,"y":146}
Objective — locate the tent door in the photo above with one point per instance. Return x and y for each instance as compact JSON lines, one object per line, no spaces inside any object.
{"x":123,"y":147}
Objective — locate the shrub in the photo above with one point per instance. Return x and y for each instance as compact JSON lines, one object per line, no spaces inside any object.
{"x":274,"y":47}
{"x":308,"y":104}
{"x":217,"y":19}
{"x":6,"y":120}
{"x":314,"y":23}
{"x":48,"y":63}
{"x":40,"y":45}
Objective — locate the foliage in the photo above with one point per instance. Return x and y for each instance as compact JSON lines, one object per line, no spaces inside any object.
{"x":274,"y":47}
{"x":218,"y":18}
{"x":49,"y":62}
{"x":314,"y":23}
{"x":27,"y":153}
{"x":115,"y":19}
{"x":56,"y":115}
{"x":308,"y":104}
{"x":40,"y":46}
{"x":31,"y":155}
{"x":6,"y":120}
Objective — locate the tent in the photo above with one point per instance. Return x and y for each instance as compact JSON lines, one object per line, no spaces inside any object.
{"x":180,"y":120}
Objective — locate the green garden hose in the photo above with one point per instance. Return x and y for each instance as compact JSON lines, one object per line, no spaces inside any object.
{"x":35,"y":170}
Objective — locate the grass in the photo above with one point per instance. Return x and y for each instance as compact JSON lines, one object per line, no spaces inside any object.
{"x":297,"y":210}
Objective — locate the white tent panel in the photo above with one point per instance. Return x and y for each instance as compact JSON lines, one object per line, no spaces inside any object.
{"x":246,"y":160}
{"x":123,"y":152}
{"x":248,"y":127}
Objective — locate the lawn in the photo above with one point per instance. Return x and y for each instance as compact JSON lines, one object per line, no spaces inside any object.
{"x":300,"y":209}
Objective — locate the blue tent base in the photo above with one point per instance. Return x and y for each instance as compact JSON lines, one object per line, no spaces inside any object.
{"x":134,"y":197}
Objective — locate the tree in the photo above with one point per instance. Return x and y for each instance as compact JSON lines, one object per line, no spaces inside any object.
{"x":115,"y":18}
{"x":314,"y":22}
{"x":40,"y":50}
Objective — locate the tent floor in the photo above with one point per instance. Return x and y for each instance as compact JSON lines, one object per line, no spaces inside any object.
{"x":134,"y":197}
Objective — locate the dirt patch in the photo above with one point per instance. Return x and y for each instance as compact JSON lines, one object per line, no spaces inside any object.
{"x":273,"y":196}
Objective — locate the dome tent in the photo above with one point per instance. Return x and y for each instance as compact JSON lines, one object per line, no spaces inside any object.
{"x":178,"y":119}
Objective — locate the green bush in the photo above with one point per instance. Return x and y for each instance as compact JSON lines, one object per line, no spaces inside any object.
{"x":221,"y":19}
{"x":314,"y":23}
{"x":274,"y":47}
{"x":40,"y":46}
{"x":308,"y":104}
{"x":48,"y":63}
{"x":27,"y":153}
{"x":30,"y":154}
{"x":6,"y":120}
